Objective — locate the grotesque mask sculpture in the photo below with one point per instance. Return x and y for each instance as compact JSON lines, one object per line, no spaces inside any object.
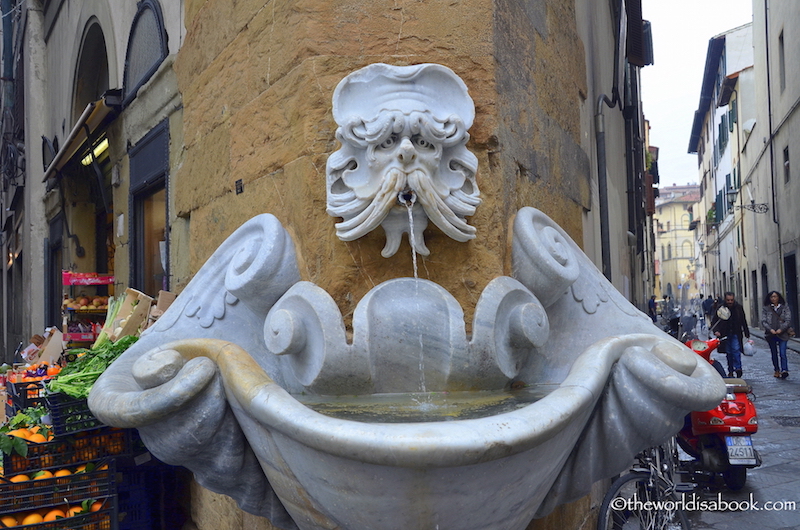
{"x":403,"y":131}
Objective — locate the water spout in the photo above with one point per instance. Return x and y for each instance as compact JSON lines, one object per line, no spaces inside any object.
{"x":407,"y":197}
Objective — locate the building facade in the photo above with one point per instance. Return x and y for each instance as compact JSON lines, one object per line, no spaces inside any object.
{"x":770,"y":187}
{"x":724,"y":111}
{"x":744,"y":134}
{"x":144,"y":134}
{"x":93,"y":114}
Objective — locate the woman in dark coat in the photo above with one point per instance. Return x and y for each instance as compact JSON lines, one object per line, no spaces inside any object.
{"x":776,"y":317}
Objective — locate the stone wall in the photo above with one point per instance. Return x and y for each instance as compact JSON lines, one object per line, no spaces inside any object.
{"x":256,"y":79}
{"x":257,"y":82}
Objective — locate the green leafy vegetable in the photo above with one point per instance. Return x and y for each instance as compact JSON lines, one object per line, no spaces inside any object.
{"x":114,"y":305}
{"x":77,"y":378}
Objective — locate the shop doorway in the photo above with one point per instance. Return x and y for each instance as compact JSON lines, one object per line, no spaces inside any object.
{"x":149,"y":257}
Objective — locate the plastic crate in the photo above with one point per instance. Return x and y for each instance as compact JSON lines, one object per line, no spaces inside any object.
{"x":70,"y":451}
{"x":26,"y":394}
{"x":104,"y":519}
{"x":136,"y":493}
{"x":57,"y":492}
{"x":70,"y":415}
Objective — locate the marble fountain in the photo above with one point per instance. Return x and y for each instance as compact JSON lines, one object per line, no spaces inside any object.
{"x":251,"y":381}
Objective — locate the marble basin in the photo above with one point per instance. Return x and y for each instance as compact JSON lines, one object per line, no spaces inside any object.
{"x":226,"y":384}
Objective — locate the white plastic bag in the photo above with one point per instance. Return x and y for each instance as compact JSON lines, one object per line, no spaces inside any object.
{"x":748,"y":348}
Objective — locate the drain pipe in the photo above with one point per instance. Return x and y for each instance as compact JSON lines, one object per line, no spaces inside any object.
{"x":600,"y":140}
{"x":602,"y":180}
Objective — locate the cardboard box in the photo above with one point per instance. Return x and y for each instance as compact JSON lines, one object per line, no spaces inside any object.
{"x":165,"y":299}
{"x":132,"y":316}
{"x":53,"y":346}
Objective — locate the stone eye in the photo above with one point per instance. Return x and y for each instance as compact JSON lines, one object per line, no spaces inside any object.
{"x":389,"y":142}
{"x":421,"y":142}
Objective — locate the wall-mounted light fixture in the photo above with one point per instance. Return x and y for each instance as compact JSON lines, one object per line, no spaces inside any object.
{"x":96,"y":152}
{"x":760,"y":207}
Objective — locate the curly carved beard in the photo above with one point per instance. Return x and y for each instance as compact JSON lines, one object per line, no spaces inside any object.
{"x":447,"y":211}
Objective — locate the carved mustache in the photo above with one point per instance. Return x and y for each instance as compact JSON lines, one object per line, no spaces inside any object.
{"x":446,"y":212}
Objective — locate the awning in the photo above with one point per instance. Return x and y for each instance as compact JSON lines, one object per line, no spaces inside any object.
{"x":93,"y":116}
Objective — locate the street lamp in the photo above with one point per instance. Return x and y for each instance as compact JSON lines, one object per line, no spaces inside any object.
{"x":753,"y":207}
{"x":709,"y":251}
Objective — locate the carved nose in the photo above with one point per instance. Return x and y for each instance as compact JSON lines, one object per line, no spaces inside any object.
{"x":407,"y":153}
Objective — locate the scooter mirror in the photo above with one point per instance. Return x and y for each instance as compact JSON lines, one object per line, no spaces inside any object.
{"x":724,"y":313}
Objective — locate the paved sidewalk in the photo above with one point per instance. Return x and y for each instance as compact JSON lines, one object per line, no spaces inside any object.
{"x":778,"y":443}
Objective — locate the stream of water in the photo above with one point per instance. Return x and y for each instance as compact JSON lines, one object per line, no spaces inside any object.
{"x":412,"y":241}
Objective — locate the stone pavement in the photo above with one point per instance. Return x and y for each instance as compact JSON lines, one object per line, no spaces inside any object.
{"x":778,"y":442}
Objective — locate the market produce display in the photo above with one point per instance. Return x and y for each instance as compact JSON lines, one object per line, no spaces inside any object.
{"x":61,"y":467}
{"x":76,"y":379}
{"x":59,"y":462}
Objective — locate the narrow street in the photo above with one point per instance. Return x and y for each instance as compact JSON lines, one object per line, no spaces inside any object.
{"x":777,"y":482}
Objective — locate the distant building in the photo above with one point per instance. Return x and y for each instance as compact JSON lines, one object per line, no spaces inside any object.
{"x":676,"y":255}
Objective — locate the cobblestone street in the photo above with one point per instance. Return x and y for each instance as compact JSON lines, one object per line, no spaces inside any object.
{"x":778,"y":478}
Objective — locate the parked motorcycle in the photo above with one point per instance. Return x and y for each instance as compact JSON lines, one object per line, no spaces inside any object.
{"x":719,"y":439}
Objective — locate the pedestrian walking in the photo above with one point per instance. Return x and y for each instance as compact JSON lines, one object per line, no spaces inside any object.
{"x":651,"y":308}
{"x":776,"y":317}
{"x":734,"y":328}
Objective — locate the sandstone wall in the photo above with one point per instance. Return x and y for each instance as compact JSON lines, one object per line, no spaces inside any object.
{"x":257,"y":81}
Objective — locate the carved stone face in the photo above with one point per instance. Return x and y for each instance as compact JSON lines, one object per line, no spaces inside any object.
{"x":403,"y":132}
{"x":407,"y":152}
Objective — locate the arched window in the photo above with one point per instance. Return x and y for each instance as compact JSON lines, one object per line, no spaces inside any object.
{"x":91,"y":79}
{"x":669,"y":250}
{"x":686,"y":249}
{"x":147,"y":48}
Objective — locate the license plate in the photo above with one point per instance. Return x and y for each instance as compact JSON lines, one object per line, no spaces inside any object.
{"x":740,"y":450}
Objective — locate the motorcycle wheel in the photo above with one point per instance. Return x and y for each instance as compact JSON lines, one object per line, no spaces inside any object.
{"x":735,"y":477}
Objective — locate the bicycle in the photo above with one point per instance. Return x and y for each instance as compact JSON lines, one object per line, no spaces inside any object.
{"x":645,"y":497}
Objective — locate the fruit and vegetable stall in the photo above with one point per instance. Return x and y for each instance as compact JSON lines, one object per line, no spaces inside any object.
{"x":61,"y":467}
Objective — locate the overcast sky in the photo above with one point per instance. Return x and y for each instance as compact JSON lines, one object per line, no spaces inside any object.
{"x":671,"y":86}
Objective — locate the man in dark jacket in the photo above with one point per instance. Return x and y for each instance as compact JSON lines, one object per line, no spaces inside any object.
{"x":734,"y":329}
{"x":708,"y":310}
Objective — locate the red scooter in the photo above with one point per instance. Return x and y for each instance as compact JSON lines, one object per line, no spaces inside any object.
{"x":719,"y":439}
